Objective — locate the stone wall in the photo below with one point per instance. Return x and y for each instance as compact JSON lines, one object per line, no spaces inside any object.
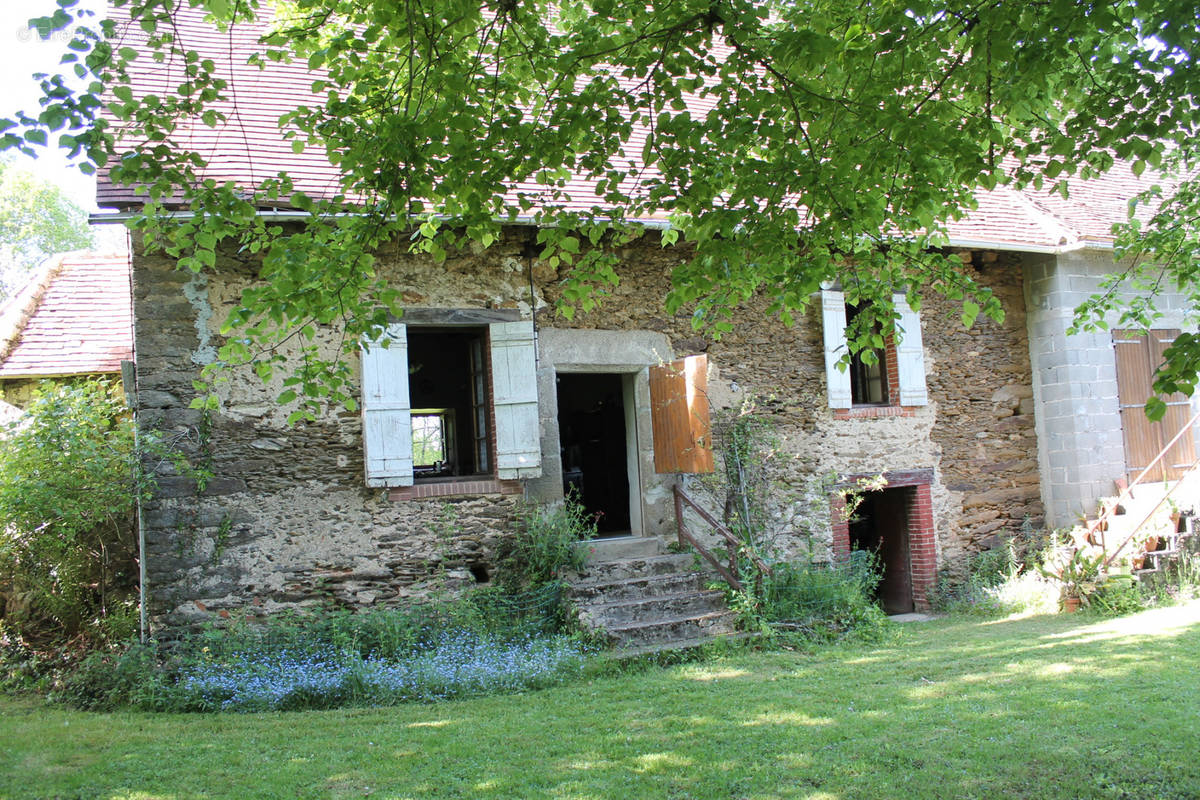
{"x":977,"y":433}
{"x":286,"y":520}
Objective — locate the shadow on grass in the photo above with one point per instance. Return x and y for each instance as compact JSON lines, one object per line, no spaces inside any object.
{"x":1040,"y":707}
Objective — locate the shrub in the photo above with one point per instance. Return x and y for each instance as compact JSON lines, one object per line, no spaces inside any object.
{"x":821,"y":601}
{"x":545,"y":544}
{"x":67,"y":490}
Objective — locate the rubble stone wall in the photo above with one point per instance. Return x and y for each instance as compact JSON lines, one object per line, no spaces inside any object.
{"x":286,"y":519}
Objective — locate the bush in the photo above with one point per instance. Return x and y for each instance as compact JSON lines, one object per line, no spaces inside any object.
{"x":67,"y":490}
{"x":822,"y":601}
{"x":546,"y":543}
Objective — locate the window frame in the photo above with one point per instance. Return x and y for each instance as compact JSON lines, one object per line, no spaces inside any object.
{"x":510,"y":399}
{"x":903,"y":360}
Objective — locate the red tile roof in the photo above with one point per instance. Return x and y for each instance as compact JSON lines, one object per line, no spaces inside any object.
{"x":249,"y":147}
{"x":74,"y":318}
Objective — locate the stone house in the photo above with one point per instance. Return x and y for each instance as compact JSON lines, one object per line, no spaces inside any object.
{"x":484,"y":400}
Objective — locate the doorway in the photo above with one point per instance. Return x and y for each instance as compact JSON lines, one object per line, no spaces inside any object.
{"x":593,"y":444}
{"x":880,"y":525}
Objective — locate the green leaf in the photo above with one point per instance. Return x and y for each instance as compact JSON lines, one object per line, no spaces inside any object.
{"x":1156,"y":409}
{"x":970,"y":313}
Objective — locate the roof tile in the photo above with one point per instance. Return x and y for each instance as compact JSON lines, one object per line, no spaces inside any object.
{"x":78,"y":321}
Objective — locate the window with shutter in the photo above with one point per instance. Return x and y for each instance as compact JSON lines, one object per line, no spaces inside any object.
{"x":386,"y":413}
{"x":515,"y":400}
{"x":910,"y":355}
{"x":679,"y":416}
{"x":892,"y":380}
{"x":442,"y":403}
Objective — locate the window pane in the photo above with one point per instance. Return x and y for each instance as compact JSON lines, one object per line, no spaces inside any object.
{"x":429,"y":439}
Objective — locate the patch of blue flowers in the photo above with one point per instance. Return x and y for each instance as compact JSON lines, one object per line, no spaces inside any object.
{"x":452,"y":664}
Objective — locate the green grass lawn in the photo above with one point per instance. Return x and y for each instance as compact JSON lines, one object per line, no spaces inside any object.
{"x":1063,"y":706}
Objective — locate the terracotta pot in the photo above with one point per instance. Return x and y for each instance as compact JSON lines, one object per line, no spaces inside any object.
{"x":1070,"y":604}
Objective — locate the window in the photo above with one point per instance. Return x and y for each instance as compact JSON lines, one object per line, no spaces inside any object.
{"x":447,"y":402}
{"x":893,"y":377}
{"x":433,"y":440}
{"x":868,"y":369}
{"x":447,"y":384}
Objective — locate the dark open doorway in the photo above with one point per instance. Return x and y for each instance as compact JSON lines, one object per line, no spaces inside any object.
{"x":592,"y":441}
{"x":880,"y":525}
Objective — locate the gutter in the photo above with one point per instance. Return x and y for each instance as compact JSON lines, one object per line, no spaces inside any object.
{"x":654,"y":225}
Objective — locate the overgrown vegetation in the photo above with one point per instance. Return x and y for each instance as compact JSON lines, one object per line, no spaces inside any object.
{"x":484,"y":643}
{"x":1000,"y":580}
{"x":1052,"y":707}
{"x":789,"y":587}
{"x":545,"y":544}
{"x":820,"y":602}
{"x":1038,"y":572}
{"x":510,"y":635}
{"x":68,"y":483}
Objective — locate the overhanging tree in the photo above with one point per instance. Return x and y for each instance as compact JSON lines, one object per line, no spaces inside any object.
{"x":787,"y":143}
{"x":37,"y":220}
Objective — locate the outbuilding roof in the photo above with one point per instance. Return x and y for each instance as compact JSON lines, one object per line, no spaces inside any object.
{"x":74,"y":317}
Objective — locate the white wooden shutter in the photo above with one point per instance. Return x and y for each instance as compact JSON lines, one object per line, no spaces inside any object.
{"x":833,"y":310}
{"x":386,"y":410}
{"x":515,"y":400}
{"x":910,"y":355}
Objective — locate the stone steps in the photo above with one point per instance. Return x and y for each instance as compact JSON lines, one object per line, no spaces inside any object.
{"x":666,"y":633}
{"x":647,"y":603}
{"x":602,"y":571}
{"x":675,"y":605}
{"x":639,"y":588}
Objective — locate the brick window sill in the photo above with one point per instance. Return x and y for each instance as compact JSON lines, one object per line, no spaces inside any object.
{"x":873,"y":412}
{"x":458,"y":488}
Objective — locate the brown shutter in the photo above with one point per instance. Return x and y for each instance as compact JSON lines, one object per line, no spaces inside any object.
{"x":1138,"y":356}
{"x":679,"y":414}
{"x":1179,"y":412}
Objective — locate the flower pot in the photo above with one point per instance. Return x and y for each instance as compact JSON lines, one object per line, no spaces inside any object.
{"x":1070,"y":604}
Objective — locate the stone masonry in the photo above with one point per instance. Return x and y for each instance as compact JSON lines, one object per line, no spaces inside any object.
{"x":286,"y":519}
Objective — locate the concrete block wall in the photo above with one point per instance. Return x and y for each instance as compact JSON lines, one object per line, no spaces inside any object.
{"x":1080,"y":446}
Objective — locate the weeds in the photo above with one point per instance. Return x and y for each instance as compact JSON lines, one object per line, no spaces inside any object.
{"x":545,"y":544}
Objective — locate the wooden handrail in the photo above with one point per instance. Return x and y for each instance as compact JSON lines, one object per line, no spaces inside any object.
{"x":1137,"y":528}
{"x":729,"y":573}
{"x":1124,"y":494}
